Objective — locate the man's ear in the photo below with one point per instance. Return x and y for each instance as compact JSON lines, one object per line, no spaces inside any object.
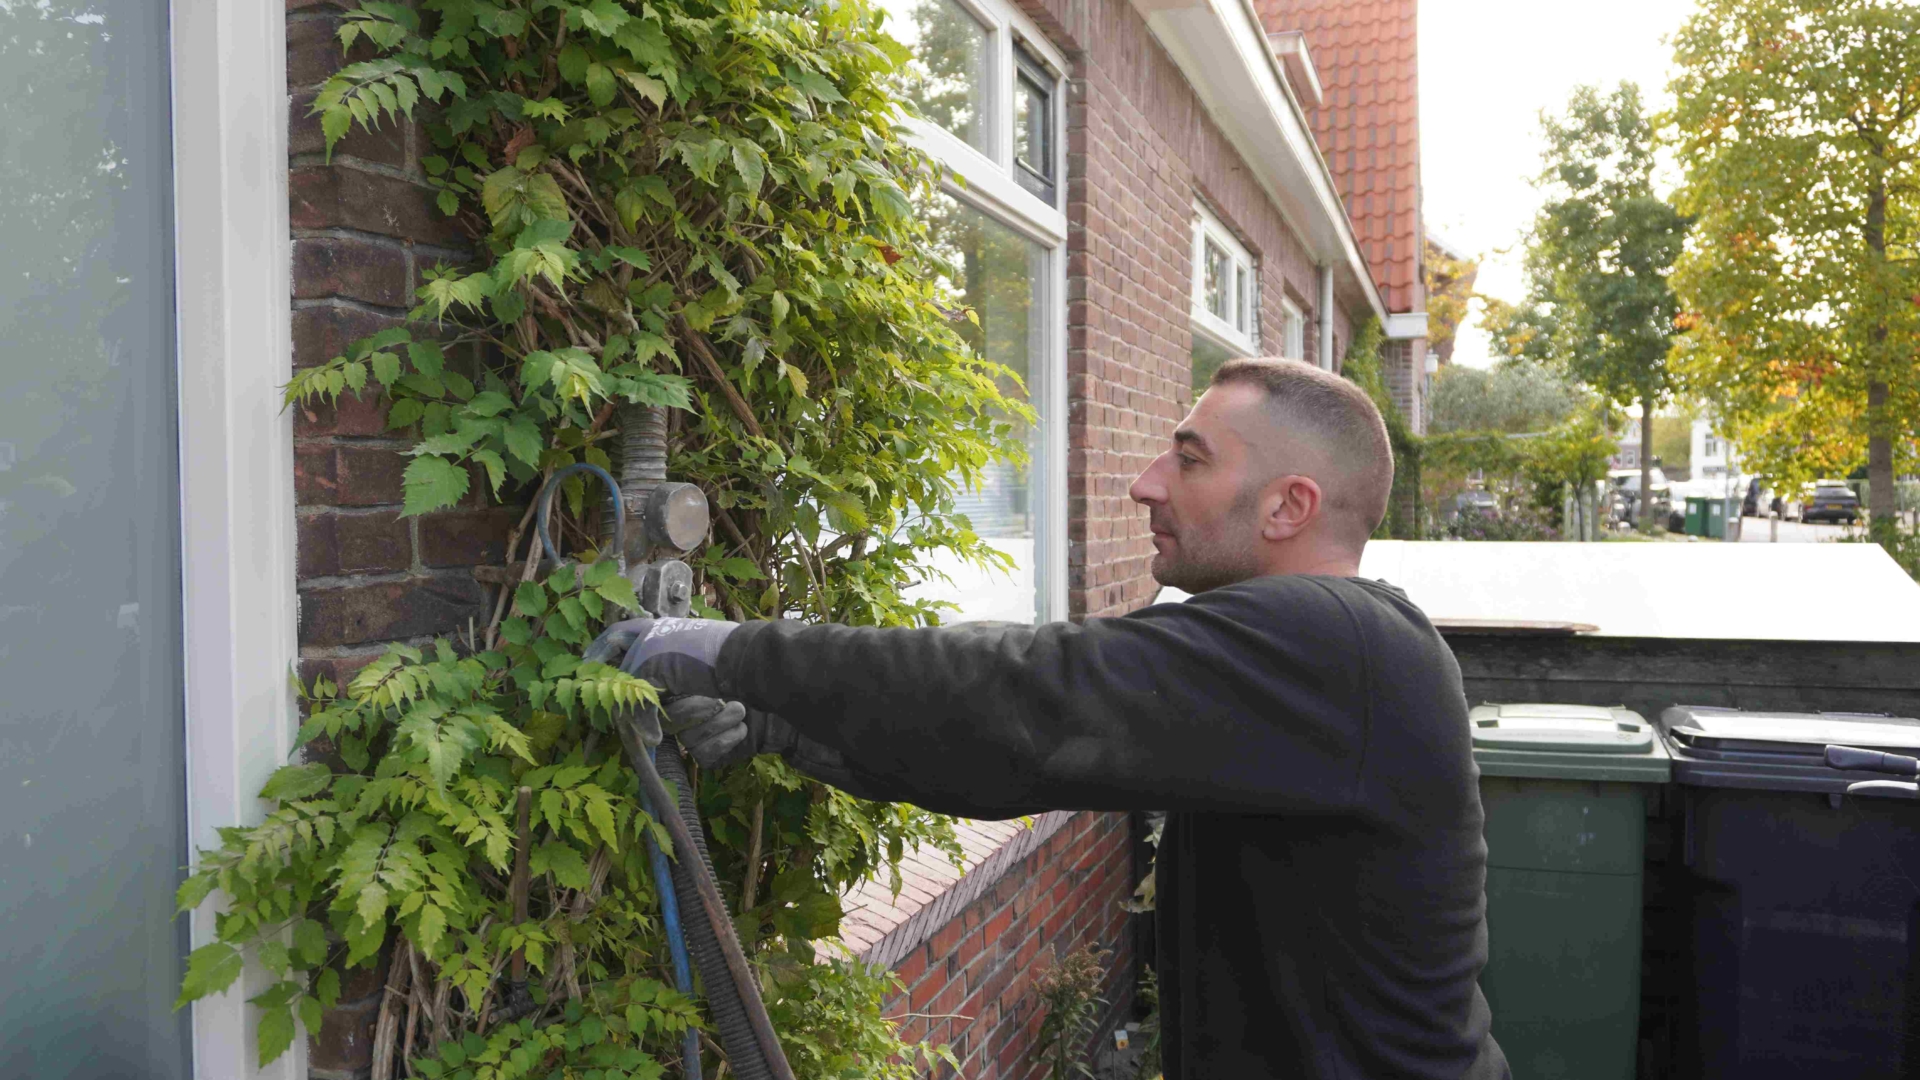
{"x":1292,"y":504}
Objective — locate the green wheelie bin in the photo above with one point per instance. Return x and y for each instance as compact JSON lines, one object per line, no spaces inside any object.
{"x":1567,"y":790}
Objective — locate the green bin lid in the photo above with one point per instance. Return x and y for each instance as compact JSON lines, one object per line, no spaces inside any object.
{"x":1570,"y":742}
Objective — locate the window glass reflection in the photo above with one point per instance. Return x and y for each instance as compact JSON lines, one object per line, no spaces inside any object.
{"x":1218,"y":270}
{"x":946,"y":80}
{"x":1000,"y":274}
{"x":92,"y":765}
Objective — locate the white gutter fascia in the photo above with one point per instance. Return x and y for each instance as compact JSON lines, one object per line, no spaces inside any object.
{"x":1256,"y":107}
{"x":1403,"y":325}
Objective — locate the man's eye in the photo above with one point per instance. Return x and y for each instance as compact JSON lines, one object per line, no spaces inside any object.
{"x":1188,"y":459}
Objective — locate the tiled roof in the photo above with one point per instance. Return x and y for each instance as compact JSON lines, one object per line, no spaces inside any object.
{"x":881,"y":928}
{"x":1366,"y":53}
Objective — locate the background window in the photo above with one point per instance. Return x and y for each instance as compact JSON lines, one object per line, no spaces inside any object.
{"x":947,"y":78}
{"x":1293,"y":330}
{"x":1001,"y":277}
{"x":1033,"y":127}
{"x":1226,"y":316}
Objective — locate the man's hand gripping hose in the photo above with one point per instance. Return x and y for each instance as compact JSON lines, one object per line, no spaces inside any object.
{"x":676,"y":654}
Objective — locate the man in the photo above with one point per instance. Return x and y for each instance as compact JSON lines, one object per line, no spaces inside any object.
{"x":1320,"y":881}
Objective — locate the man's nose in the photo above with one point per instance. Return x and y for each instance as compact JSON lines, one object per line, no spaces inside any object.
{"x":1149,"y":489}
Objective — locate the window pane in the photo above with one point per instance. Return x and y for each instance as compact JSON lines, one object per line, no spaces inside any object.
{"x":1207,"y":358}
{"x":1218,"y":272}
{"x":1001,"y":273}
{"x":92,"y":765}
{"x":947,"y":78}
{"x":1241,"y":303}
{"x":1033,"y":139}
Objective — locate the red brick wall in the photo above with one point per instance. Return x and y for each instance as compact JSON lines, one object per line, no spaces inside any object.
{"x":1140,"y":147}
{"x":363,"y":230}
{"x":969,"y":986}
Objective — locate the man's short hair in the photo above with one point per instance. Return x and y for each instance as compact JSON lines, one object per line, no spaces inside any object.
{"x":1337,"y":416}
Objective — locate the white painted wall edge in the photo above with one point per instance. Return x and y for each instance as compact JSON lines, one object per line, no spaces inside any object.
{"x":233,"y":265}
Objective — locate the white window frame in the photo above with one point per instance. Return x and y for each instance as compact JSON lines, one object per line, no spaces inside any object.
{"x":1293,"y":330}
{"x":985,"y":182}
{"x":233,"y":256}
{"x":1238,"y":332}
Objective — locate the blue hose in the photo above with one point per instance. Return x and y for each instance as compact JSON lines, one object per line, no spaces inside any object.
{"x":676,"y":939}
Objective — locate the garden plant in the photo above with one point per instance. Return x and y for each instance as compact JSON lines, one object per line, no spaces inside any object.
{"x":701,"y":204}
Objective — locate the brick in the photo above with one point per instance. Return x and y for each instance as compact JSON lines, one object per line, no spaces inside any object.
{"x":369,"y":475}
{"x":334,"y":543}
{"x":384,"y":611}
{"x":345,"y":1040}
{"x":329,"y":266}
{"x":343,"y":196}
{"x":314,"y":474}
{"x":466,"y":537}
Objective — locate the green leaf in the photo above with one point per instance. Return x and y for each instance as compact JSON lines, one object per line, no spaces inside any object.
{"x":530,"y":599}
{"x":432,"y":483}
{"x":496,"y":468}
{"x":311,"y":1014}
{"x":523,"y":440}
{"x":600,"y":85}
{"x":193,"y":892}
{"x":275,"y":1033}
{"x":489,"y":403}
{"x":327,"y":988}
{"x":297,"y":781}
{"x":310,"y":941}
{"x":371,"y":904}
{"x":647,"y":87}
{"x":600,"y":813}
{"x":780,"y":307}
{"x":211,"y":968}
{"x":746,"y":162}
{"x":432,"y":927}
{"x":562,"y":861}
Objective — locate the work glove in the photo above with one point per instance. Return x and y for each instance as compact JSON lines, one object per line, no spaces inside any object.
{"x":678,"y":655}
{"x":721,"y":733}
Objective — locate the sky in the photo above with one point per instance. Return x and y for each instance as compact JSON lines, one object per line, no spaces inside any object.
{"x":1487,"y":68}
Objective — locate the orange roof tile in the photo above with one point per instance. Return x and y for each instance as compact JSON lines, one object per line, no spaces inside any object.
{"x":1366,"y":54}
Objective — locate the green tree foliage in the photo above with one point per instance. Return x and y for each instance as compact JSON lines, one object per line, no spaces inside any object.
{"x":1798,"y":123}
{"x":1513,"y":396}
{"x":1361,"y":365}
{"x":683,"y":203}
{"x":1600,"y":253}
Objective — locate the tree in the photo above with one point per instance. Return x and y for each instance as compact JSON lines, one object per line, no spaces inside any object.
{"x":1600,"y":253}
{"x":1798,"y":122}
{"x":1514,"y":396}
{"x":1449,"y":277}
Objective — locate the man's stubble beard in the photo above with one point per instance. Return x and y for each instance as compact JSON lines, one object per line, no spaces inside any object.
{"x":1201,"y":562}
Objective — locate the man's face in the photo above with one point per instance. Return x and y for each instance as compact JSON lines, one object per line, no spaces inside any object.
{"x":1203,"y":494}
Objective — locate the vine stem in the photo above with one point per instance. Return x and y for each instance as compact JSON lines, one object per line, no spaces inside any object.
{"x":704,"y":352}
{"x":752,"y":885}
{"x":387,"y":1028}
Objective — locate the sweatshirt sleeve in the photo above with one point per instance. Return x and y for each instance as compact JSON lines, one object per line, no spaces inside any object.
{"x":1249,"y":698}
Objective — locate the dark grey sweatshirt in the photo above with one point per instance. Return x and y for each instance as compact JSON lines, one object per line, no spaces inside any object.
{"x":1321,"y":879}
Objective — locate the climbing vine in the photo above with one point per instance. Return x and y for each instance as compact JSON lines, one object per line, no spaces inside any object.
{"x":702,"y":204}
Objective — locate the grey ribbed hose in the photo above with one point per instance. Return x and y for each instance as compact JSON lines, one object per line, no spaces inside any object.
{"x":723,"y":998}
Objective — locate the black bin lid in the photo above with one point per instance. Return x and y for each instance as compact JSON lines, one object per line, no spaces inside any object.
{"x":1781,"y":751}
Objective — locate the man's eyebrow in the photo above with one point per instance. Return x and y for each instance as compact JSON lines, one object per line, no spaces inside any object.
{"x":1190,"y":437}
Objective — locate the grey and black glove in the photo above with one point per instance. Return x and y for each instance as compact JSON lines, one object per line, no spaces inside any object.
{"x":677,"y":655}
{"x":720,"y":732}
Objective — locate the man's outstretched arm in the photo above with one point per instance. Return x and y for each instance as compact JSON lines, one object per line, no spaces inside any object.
{"x":1247,"y":698}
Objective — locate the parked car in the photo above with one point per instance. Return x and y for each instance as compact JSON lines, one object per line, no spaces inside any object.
{"x":1829,"y":500}
{"x":1750,"y":505}
{"x":1626,"y":494}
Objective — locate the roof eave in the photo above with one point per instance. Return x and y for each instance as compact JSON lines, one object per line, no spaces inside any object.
{"x":1222,"y":49}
